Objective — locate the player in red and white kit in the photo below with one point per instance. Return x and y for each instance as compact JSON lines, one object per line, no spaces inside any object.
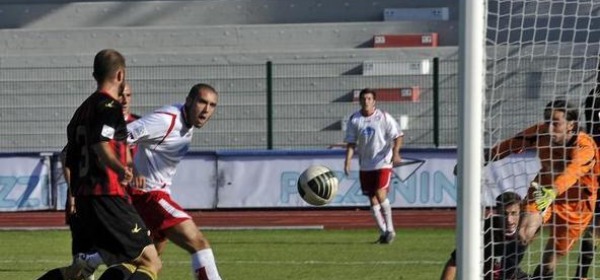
{"x":376,"y":137}
{"x":162,"y":138}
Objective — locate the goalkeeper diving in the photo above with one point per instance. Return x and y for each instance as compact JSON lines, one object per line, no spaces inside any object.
{"x":564,"y":190}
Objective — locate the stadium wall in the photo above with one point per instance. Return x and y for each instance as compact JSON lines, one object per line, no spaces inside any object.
{"x":127,"y":13}
{"x":318,"y":49}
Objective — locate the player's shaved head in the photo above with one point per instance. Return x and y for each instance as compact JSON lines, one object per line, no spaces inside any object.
{"x":200,"y":104}
{"x":107,"y":63}
{"x":198,"y":88}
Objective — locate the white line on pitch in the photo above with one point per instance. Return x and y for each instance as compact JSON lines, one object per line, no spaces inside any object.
{"x":309,"y":262}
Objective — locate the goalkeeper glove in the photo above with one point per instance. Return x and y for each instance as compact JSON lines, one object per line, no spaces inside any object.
{"x":544,"y":196}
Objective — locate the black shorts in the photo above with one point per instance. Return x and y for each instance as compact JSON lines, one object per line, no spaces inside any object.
{"x":115,"y":228}
{"x":80,"y":241}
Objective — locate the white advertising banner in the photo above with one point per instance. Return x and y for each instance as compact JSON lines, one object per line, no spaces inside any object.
{"x":268,"y":180}
{"x":425,"y":179}
{"x":195,"y":183}
{"x":265,"y":179}
{"x":513,"y":173}
{"x":24,"y":183}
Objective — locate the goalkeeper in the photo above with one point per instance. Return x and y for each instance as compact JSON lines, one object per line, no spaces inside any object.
{"x":502,"y":251}
{"x":565,"y":187}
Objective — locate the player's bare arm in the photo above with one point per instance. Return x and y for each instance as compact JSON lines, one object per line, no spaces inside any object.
{"x":349,"y":154}
{"x":139,"y":181}
{"x":396,"y":157}
{"x":108,"y":157}
{"x":67,"y":175}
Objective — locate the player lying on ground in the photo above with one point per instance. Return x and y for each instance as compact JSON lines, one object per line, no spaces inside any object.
{"x":502,"y":251}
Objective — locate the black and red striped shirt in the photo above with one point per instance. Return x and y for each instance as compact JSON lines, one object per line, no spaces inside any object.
{"x":98,"y":119}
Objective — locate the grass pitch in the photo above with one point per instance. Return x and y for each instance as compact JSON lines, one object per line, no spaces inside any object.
{"x":417,"y":254}
{"x":260,"y":254}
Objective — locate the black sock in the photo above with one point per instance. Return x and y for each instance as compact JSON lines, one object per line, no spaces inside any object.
{"x":55,"y":274}
{"x":116,"y":272}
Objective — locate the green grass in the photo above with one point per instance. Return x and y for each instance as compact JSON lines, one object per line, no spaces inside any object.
{"x":261,"y":254}
{"x":271,"y":254}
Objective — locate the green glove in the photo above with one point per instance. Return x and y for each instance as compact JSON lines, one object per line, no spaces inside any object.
{"x":544,"y":196}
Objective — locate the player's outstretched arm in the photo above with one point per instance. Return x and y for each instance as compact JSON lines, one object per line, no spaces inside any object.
{"x":528,"y":226}
{"x":520,"y":142}
{"x":396,"y":157}
{"x":583,"y":160}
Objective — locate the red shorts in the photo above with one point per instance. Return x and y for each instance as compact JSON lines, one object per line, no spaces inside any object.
{"x":373,"y":180}
{"x":158,"y":210}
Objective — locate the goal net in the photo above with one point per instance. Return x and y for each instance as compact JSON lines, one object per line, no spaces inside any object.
{"x":537,"y":51}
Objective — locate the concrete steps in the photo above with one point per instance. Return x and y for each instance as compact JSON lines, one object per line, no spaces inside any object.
{"x":43,"y":14}
{"x":211,"y":39}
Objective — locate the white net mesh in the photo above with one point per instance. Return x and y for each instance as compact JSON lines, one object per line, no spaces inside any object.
{"x":537,"y":51}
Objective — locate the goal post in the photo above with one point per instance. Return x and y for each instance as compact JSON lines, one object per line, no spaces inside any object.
{"x":516,"y":56}
{"x":471,"y":73}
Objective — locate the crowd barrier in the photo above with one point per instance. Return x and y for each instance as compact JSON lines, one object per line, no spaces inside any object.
{"x":267,"y":179}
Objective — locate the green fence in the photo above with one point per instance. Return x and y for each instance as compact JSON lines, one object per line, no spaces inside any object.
{"x":268,"y":105}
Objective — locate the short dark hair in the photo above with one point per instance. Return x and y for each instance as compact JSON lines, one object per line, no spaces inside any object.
{"x":367,"y":91}
{"x":506,"y":199}
{"x":199,"y":87}
{"x":570,"y":110}
{"x":106,"y":64}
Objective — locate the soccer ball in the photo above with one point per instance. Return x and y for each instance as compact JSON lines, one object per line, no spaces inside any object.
{"x":317,"y":185}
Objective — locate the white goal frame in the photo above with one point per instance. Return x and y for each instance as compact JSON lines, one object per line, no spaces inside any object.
{"x":471,"y":72}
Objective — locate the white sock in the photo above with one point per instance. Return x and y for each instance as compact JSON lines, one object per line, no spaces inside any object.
{"x":94,"y":260}
{"x":376,"y":211}
{"x":387,"y":215}
{"x":204,"y":266}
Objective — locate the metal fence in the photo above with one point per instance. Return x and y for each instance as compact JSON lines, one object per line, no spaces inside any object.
{"x":262,"y":105}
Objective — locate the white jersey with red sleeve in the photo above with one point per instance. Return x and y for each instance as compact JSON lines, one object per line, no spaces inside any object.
{"x":162,"y":139}
{"x":374,"y":138}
